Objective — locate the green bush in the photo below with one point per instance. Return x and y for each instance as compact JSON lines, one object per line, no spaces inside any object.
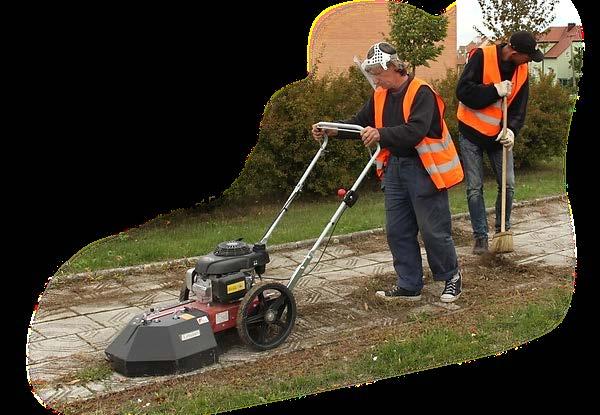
{"x":446,"y":87}
{"x":285,"y":145}
{"x":546,"y":128}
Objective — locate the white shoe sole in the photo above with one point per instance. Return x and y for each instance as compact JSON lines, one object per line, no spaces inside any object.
{"x":381,"y":294}
{"x":450,"y":299}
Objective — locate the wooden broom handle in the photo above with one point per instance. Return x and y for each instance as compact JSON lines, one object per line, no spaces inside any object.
{"x":504,"y":155}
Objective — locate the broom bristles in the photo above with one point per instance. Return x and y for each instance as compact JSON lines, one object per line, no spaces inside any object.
{"x":502,"y":242}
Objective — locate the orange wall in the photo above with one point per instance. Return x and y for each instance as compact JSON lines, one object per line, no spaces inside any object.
{"x":350,"y":29}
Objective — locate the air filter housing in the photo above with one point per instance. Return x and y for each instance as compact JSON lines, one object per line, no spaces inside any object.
{"x":232,"y":248}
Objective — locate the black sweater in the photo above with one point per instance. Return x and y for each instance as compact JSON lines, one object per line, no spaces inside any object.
{"x":471,"y":91}
{"x":398,"y":136}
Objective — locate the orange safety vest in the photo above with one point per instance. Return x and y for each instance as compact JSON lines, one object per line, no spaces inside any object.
{"x":438,"y":156}
{"x":488,"y":120}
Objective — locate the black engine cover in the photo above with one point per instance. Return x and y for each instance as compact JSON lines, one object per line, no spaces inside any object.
{"x":232,"y":257}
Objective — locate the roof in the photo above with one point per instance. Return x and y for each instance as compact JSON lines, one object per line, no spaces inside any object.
{"x":562,"y":37}
{"x":470,"y":46}
{"x":463,"y":51}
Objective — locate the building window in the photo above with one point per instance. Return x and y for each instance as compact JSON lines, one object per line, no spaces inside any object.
{"x":565,"y":81}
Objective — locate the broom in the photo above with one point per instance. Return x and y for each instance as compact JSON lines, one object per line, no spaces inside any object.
{"x":503,"y":240}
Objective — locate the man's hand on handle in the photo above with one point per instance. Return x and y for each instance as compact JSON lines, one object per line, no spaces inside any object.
{"x":370,"y":136}
{"x":508,"y":140}
{"x":318,"y":133}
{"x":504,"y":88}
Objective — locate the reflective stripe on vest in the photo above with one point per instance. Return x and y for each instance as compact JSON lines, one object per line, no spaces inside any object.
{"x":384,"y":153}
{"x":488,"y":120}
{"x":439,"y":156}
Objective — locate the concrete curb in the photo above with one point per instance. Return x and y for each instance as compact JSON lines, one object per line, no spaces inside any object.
{"x":191,"y":261}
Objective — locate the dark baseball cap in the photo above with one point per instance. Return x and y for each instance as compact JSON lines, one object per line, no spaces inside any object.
{"x":524,"y":42}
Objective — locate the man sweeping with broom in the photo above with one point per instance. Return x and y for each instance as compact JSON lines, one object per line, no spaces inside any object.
{"x":494,"y":75}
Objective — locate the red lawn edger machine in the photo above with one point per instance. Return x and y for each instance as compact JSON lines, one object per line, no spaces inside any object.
{"x":181,"y":337}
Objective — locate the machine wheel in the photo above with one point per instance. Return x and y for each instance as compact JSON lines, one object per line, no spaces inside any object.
{"x":266,"y":315}
{"x":184,"y":293}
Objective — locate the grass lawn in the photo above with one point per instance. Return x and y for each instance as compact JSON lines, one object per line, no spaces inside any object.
{"x":186,"y":233}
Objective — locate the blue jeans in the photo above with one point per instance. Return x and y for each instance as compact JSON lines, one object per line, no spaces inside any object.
{"x":472,"y":160}
{"x":413,"y":204}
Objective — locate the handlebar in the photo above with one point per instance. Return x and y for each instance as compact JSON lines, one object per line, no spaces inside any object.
{"x":351,"y":128}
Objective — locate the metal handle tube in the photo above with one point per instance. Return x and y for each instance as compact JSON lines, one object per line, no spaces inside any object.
{"x":504,"y":155}
{"x":353,"y":128}
{"x":340,"y":210}
{"x":295,"y":192}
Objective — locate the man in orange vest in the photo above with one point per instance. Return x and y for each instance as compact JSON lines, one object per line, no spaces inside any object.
{"x":492,"y":72}
{"x":418,"y":163}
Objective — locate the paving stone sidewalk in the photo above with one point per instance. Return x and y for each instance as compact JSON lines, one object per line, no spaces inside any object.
{"x":63,"y":339}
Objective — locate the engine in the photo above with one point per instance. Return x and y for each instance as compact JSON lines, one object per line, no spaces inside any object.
{"x":227,"y":273}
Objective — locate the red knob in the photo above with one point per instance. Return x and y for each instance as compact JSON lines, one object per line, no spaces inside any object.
{"x":341,"y":193}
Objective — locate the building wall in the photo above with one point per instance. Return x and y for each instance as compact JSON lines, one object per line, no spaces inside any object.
{"x":545,"y":64}
{"x":564,"y":69}
{"x":350,"y":29}
{"x":560,"y":65}
{"x":548,"y":65}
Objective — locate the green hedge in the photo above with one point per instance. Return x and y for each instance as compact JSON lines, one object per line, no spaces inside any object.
{"x":547,"y":123}
{"x":285,"y":145}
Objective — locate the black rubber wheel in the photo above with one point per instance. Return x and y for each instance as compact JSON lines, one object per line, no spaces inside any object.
{"x":184,"y":293}
{"x":266,"y":315}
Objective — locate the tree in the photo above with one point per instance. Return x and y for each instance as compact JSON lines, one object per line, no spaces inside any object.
{"x":576,"y":63}
{"x":503,"y":17}
{"x":413,"y":32}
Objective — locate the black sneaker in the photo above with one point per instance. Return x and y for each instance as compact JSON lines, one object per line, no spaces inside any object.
{"x":481,"y":246}
{"x":400,"y":294}
{"x":452,"y":289}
